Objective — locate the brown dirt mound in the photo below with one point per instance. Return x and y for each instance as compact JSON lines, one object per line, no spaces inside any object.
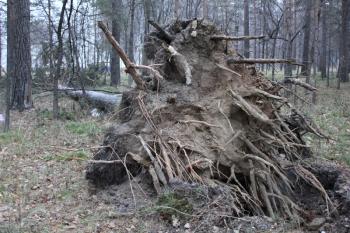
{"x":212,"y":123}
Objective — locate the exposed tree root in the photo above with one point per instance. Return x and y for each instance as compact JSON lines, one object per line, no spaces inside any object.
{"x":225,"y":131}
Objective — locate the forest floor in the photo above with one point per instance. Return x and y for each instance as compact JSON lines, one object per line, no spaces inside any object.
{"x":42,"y":166}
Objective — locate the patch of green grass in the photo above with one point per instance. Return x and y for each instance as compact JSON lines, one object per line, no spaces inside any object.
{"x":63,"y":115}
{"x":108,"y":89}
{"x":171,"y":203}
{"x":9,"y":229}
{"x":83,"y":128}
{"x":68,"y":156}
{"x":346,"y":159}
{"x":65,"y":194}
{"x":332,"y":115}
{"x":14,"y":136}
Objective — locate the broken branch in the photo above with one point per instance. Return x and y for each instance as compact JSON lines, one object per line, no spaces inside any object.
{"x":236,"y":38}
{"x":163,"y":35}
{"x":228,"y":70}
{"x":181,"y":63}
{"x":300,"y":83}
{"x":262,"y":61}
{"x":127,"y":62}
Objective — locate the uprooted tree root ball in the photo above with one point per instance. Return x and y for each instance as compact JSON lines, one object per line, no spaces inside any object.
{"x":201,"y":119}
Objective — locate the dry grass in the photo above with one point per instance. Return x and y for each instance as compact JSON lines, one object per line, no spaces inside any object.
{"x":42,"y":168}
{"x":332,"y":115}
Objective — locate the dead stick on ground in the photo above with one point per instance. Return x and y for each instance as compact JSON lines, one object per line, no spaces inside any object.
{"x":200,"y":122}
{"x":105,"y":161}
{"x":236,"y":38}
{"x":127,"y":62}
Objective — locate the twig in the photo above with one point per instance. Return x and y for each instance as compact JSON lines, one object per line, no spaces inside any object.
{"x":262,"y":61}
{"x":200,"y":122}
{"x":300,"y":83}
{"x":236,"y":38}
{"x":105,"y":161}
{"x":157,"y":167}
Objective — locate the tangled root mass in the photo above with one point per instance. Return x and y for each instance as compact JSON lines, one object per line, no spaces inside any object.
{"x":209,"y":122}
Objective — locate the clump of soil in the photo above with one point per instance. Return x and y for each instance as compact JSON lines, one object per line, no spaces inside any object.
{"x":210,"y":123}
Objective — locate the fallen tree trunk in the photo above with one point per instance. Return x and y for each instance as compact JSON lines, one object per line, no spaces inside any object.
{"x":97,"y":99}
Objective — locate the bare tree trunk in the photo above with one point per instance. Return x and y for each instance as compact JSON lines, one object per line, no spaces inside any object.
{"x":131,"y":36}
{"x":10,"y":35}
{"x":176,"y":9}
{"x":147,"y":17}
{"x":246,"y":28}
{"x":51,"y":66}
{"x":323,"y":58}
{"x":0,"y":44}
{"x":316,"y":11}
{"x":305,"y":70}
{"x":288,"y":71}
{"x":205,"y":9}
{"x":19,"y":66}
{"x":96,"y":49}
{"x":59,"y":58}
{"x":343,"y":51}
{"x":115,"y":61}
{"x":74,"y":37}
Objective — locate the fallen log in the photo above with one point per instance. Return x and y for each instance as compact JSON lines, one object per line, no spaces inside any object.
{"x":102,"y":101}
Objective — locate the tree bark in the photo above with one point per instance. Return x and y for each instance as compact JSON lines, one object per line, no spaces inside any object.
{"x":176,"y":9}
{"x":0,"y":45}
{"x":305,"y":70}
{"x":19,"y":64}
{"x":343,"y":51}
{"x":9,"y":64}
{"x":59,"y":57}
{"x":205,"y":9}
{"x":323,"y":58}
{"x":288,"y":71}
{"x":131,"y":36}
{"x":246,"y":28}
{"x":51,"y":66}
{"x":147,"y":17}
{"x":115,"y":61}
